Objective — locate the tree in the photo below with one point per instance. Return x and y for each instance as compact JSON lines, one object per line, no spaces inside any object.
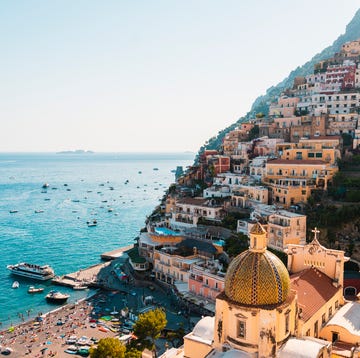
{"x":149,"y":325}
{"x":108,"y":348}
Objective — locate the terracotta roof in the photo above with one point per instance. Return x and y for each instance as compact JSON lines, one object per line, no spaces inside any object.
{"x":297,"y":162}
{"x":313,"y":289}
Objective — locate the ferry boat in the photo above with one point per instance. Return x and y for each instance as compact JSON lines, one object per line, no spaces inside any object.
{"x":35,"y":272}
{"x":57,"y":297}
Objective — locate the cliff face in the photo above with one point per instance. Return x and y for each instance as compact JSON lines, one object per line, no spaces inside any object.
{"x":352,"y":33}
{"x":261,"y":103}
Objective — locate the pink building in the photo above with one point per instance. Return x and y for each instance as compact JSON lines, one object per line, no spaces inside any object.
{"x":285,"y":107}
{"x":206,"y":280}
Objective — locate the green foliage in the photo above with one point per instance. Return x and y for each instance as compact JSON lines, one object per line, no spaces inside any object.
{"x":332,"y":216}
{"x":150,"y":325}
{"x":133,"y":353}
{"x":236,"y":244}
{"x":281,"y":255}
{"x":254,"y":132}
{"x":108,"y":348}
{"x":347,"y":139}
{"x":230,"y":220}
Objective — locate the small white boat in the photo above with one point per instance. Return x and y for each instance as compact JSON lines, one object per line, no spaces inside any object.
{"x":38,"y":211}
{"x":15,"y":284}
{"x":80,"y":287}
{"x":33,"y":289}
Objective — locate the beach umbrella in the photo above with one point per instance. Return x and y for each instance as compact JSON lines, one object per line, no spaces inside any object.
{"x":11,"y":329}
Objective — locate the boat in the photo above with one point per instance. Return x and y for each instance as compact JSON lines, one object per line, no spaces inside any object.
{"x":13,"y":211}
{"x":33,"y":289}
{"x":45,"y":185}
{"x":80,"y":287}
{"x":71,"y":350}
{"x":38,"y":211}
{"x":36,"y":272}
{"x":91,"y":223}
{"x":15,"y":284}
{"x":57,"y":297}
{"x":155,"y":168}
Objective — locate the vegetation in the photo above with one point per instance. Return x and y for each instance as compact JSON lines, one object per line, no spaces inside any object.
{"x":148,"y":327}
{"x":108,"y":348}
{"x":236,"y":244}
{"x":231,"y":219}
{"x":254,"y":133}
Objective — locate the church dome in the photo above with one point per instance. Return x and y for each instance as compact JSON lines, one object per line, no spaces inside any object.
{"x":257,"y":278}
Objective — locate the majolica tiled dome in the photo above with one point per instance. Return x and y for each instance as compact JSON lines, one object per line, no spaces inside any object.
{"x":257,"y":278}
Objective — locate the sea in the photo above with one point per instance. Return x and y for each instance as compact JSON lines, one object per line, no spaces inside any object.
{"x":49,"y":225}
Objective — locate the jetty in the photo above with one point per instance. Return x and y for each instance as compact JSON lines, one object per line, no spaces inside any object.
{"x":115,"y":254}
{"x":93,"y":276}
{"x":90,"y":276}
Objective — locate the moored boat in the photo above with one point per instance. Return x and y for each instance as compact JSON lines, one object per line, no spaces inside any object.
{"x":57,"y":297}
{"x":33,"y":289}
{"x":15,"y":284}
{"x":36,"y":272}
{"x":80,"y":287}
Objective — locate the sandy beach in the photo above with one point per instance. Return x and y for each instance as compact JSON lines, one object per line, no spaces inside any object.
{"x":46,"y":336}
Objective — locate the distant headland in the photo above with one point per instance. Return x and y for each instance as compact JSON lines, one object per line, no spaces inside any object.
{"x":77,"y":151}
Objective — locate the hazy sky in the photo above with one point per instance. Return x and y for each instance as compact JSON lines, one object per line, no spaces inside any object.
{"x":151,"y":75}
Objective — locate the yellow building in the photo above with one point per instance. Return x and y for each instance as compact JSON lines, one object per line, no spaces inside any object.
{"x":291,"y":181}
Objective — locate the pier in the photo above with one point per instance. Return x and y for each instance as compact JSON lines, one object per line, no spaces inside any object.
{"x":89,"y":276}
{"x":115,"y":254}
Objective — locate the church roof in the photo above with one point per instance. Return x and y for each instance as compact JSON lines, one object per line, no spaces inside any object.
{"x":302,"y":348}
{"x":205,"y":328}
{"x":257,"y":279}
{"x":347,"y":317}
{"x":313,"y":289}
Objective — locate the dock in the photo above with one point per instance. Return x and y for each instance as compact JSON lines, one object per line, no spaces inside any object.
{"x":115,"y":254}
{"x":93,"y":276}
{"x":90,"y":276}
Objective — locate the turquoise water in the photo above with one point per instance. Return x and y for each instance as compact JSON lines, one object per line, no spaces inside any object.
{"x":81,"y":187}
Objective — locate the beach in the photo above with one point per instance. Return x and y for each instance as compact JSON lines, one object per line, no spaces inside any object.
{"x":47,"y":335}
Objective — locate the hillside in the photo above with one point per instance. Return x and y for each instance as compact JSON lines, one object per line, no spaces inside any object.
{"x":261,"y":104}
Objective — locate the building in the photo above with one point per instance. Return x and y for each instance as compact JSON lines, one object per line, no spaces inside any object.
{"x":266,"y":312}
{"x":291,"y":181}
{"x":284,"y":228}
{"x":188,"y":211}
{"x":285,"y":107}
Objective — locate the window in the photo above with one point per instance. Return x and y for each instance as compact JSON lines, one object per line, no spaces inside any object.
{"x":286,"y":323}
{"x":330,"y":312}
{"x":323,"y":319}
{"x":336,"y":305}
{"x":307,"y":333}
{"x":241,"y":329}
{"x":318,"y":155}
{"x":316,"y":330}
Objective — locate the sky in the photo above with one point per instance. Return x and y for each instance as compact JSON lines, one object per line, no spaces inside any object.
{"x":147,"y":76}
